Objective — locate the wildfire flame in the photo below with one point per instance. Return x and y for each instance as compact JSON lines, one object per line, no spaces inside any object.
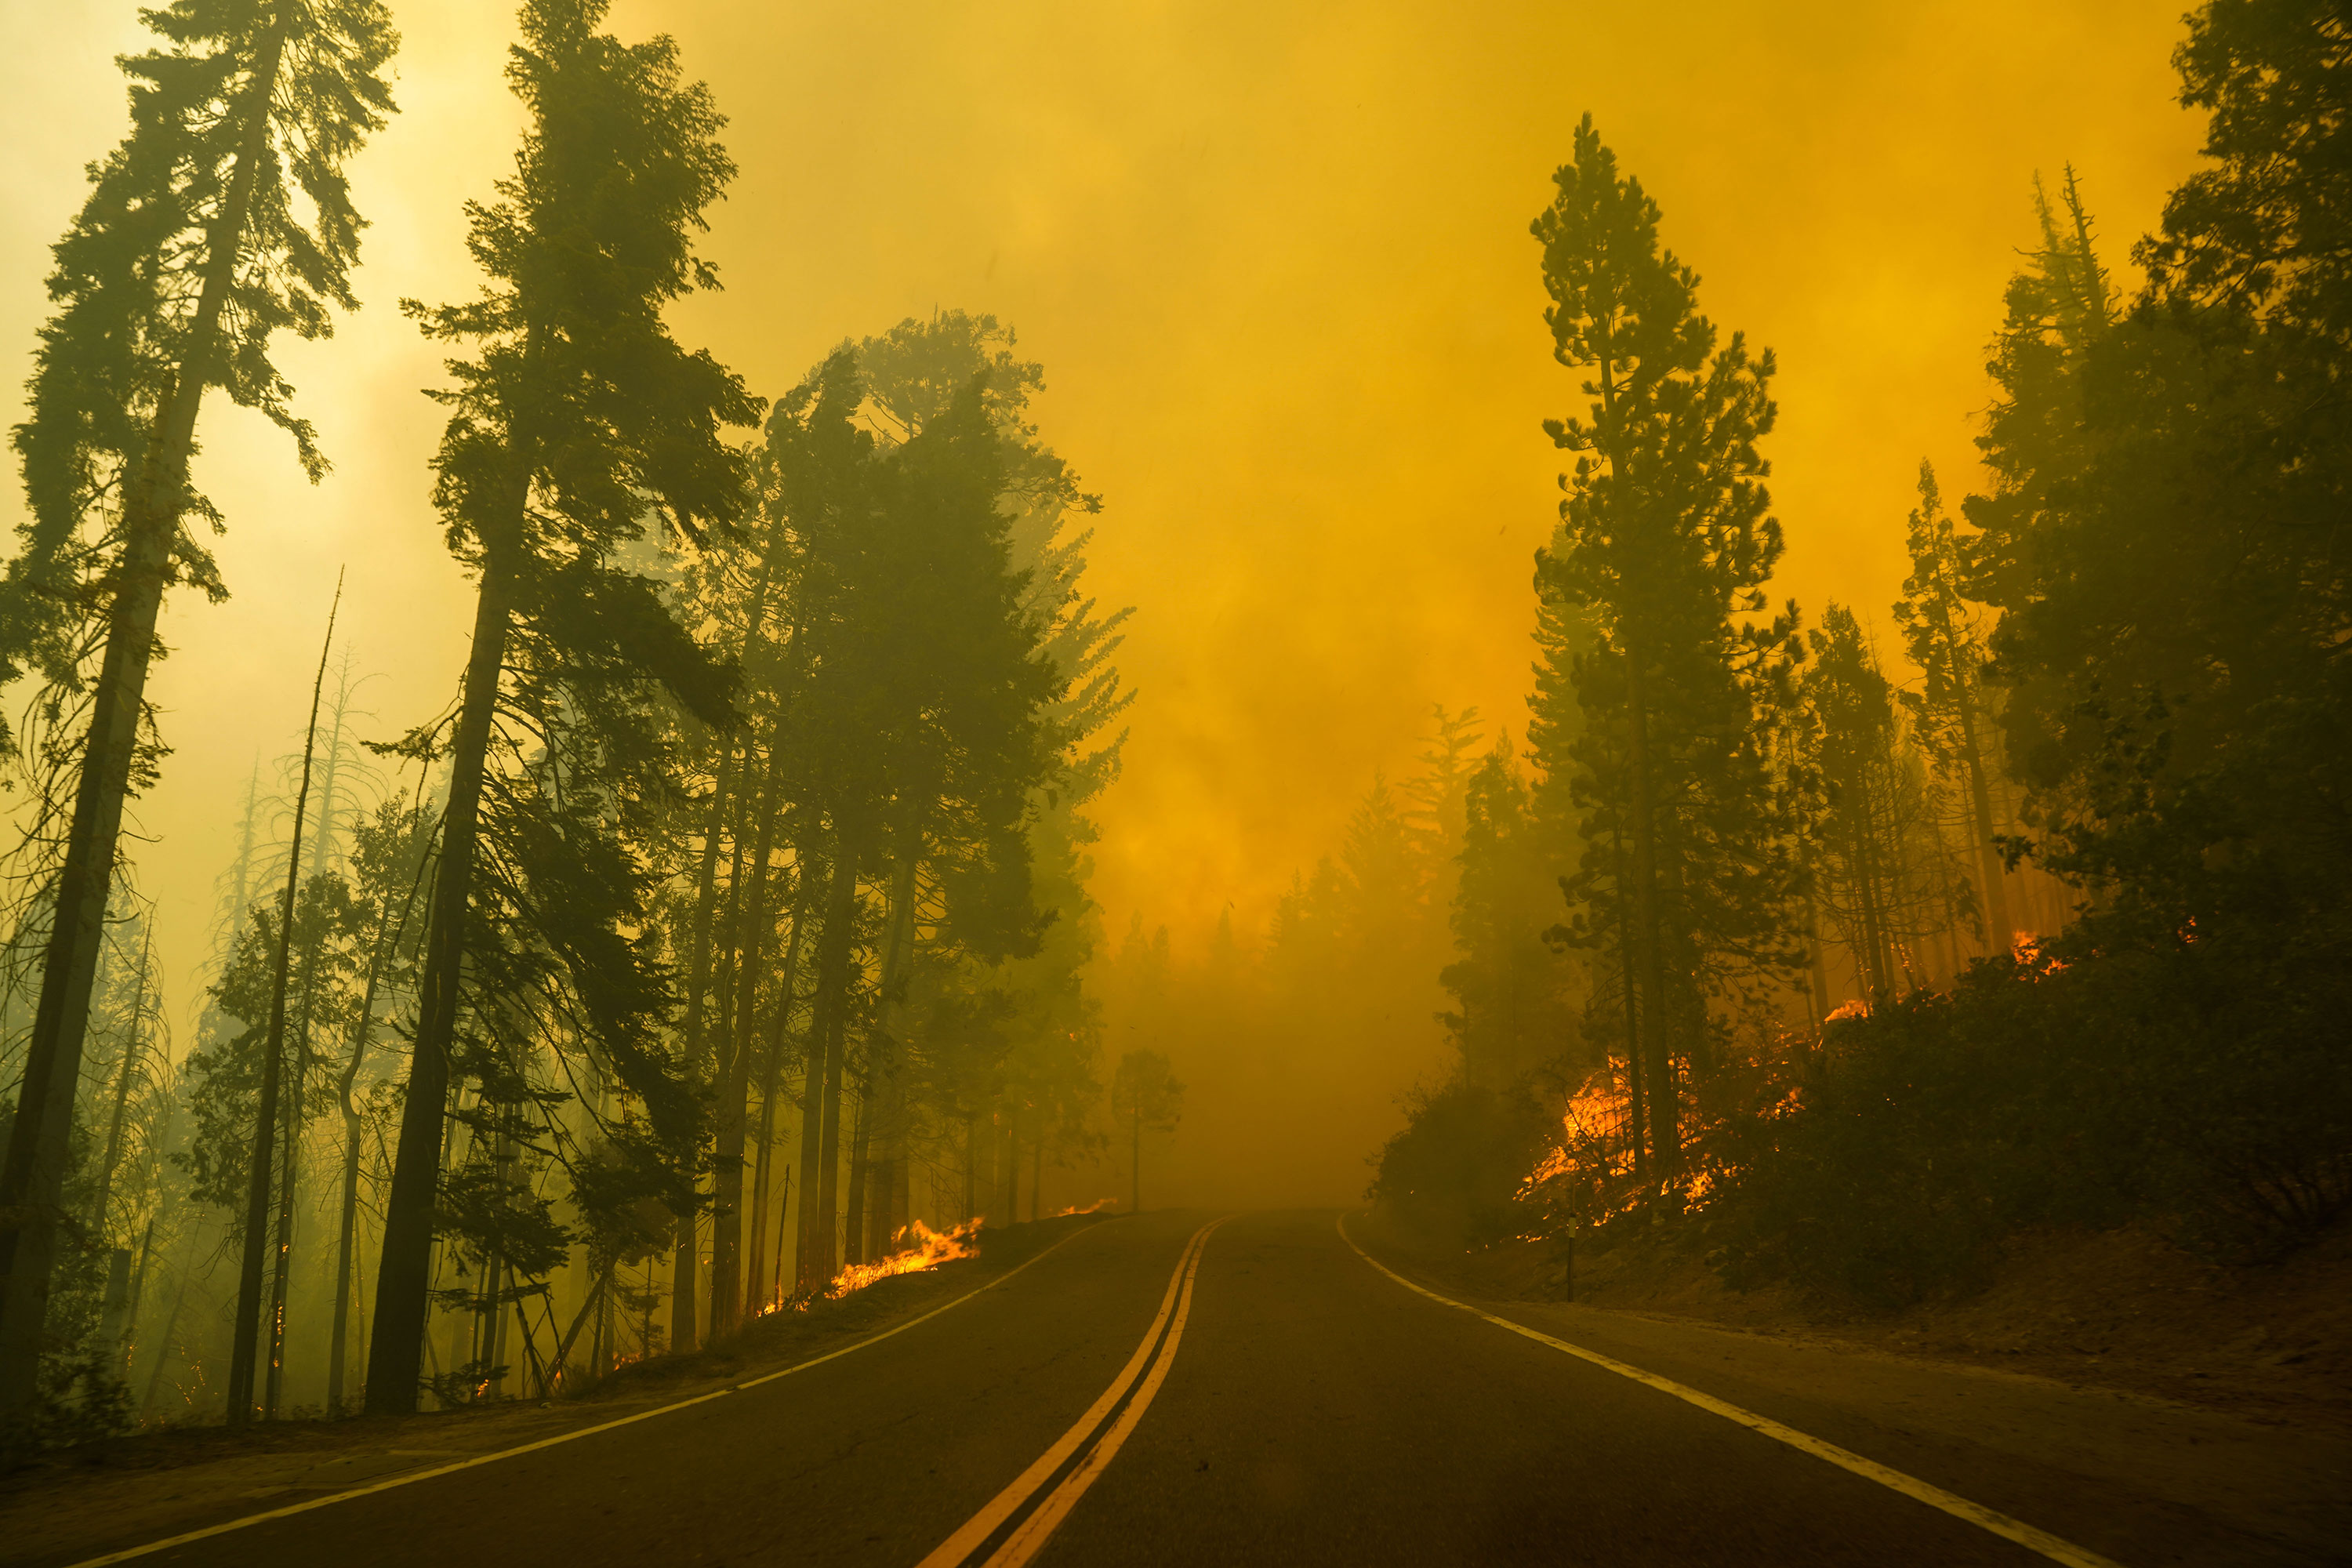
{"x":1095,"y":1207}
{"x":931,"y":1248}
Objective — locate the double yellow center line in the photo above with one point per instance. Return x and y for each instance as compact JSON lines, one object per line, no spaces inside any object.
{"x":1018,"y":1520}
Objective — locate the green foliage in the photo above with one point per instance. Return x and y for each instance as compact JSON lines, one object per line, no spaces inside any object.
{"x":1515,"y":997}
{"x":577,"y":419}
{"x":295,"y":87}
{"x":1454,"y":1177}
{"x":329,"y":955}
{"x":2205,"y":1085}
{"x":1653,"y":589}
{"x":1145,"y":1094}
{"x":78,"y":1399}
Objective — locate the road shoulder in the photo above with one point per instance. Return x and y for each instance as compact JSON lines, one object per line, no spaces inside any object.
{"x":1971,"y":1426}
{"x":156,"y":1484}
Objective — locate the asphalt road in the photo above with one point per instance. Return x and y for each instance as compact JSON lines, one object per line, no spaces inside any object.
{"x":1294,"y":1405}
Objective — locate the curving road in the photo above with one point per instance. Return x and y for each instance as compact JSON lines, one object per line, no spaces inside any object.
{"x":1175,"y":1389}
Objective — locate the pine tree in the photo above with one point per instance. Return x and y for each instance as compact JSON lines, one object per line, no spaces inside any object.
{"x":1511,"y":989}
{"x":921,"y":729}
{"x":221,"y":219}
{"x":1941,"y":635}
{"x":1666,"y":538}
{"x":578,"y":413}
{"x":1146,"y":1097}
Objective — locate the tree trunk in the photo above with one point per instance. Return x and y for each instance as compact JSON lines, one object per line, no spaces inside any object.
{"x":1635,"y":1106}
{"x":820,"y":1257}
{"x":751,"y":932}
{"x":886,"y":1056}
{"x":685,"y":1287}
{"x":404,"y":1276}
{"x":32,"y":1179}
{"x":1135,"y":1164}
{"x":265,"y":1130}
{"x":163,"y":1347}
{"x":1666,"y":1134}
{"x":772,"y":1084}
{"x":113,"y":1159}
{"x":1012,"y":1156}
{"x":1999,"y":933}
{"x":339,"y":1353}
{"x":853,"y":1219}
{"x":970,"y":1163}
{"x":282,"y":1262}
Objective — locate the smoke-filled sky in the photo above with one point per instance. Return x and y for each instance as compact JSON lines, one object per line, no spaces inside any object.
{"x":1274,"y":257}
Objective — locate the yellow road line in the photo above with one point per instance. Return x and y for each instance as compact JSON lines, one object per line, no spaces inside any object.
{"x":2000,"y":1524}
{"x":126,"y":1555}
{"x":1017,"y":1522}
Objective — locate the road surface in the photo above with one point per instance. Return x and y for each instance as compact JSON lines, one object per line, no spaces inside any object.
{"x":1189,"y":1388}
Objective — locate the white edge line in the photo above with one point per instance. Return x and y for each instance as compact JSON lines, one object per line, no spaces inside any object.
{"x":127,"y":1554}
{"x":2000,"y":1524}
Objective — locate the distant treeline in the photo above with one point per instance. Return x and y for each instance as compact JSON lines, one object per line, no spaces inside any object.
{"x":1845,"y":971}
{"x":729,"y":918}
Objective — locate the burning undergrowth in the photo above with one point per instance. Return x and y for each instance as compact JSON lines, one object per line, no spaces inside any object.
{"x":921,"y":1249}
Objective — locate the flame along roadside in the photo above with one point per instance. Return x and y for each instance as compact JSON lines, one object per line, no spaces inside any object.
{"x":1983,"y":1518}
{"x":1018,"y":1522}
{"x":929,"y":1249}
{"x":166,"y":1545}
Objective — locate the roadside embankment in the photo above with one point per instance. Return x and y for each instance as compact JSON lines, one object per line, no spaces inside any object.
{"x":2125,"y":1309}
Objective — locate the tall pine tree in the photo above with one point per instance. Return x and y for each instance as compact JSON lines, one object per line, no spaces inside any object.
{"x":578,"y":414}
{"x":222,"y":218}
{"x":1667,"y":538}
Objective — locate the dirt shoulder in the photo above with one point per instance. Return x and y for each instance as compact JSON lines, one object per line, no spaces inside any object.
{"x":2256,"y":1475}
{"x":184,"y":1477}
{"x":2123,"y":1310}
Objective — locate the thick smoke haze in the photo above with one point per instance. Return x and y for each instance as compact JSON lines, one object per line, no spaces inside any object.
{"x":1274,"y":259}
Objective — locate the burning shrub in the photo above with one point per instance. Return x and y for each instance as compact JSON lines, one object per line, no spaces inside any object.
{"x":2189,"y":1081}
{"x":1454,"y":1175}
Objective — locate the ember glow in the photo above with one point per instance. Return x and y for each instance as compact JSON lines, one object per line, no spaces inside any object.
{"x":931,"y":1248}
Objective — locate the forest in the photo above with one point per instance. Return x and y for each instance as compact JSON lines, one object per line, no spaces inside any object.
{"x":752,"y":840}
{"x":1873,"y":956}
{"x":727,"y":941}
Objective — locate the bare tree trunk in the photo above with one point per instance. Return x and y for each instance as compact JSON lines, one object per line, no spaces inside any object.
{"x":339,"y":1353}
{"x":283,"y":1259}
{"x":32,"y":1178}
{"x":265,"y":1131}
